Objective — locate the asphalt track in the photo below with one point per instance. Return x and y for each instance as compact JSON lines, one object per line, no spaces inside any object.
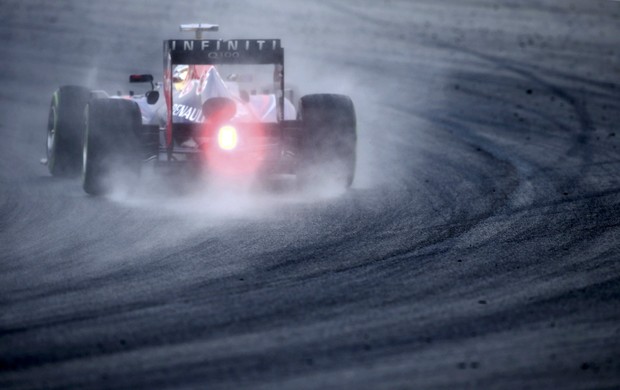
{"x":479,"y":247}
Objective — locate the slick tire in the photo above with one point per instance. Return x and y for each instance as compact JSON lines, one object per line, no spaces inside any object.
{"x":64,"y":130}
{"x":327,"y":142}
{"x":111,"y":148}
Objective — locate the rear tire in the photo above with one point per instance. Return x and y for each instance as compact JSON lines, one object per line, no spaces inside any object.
{"x":328,"y":141}
{"x":64,"y":130}
{"x":111,"y":148}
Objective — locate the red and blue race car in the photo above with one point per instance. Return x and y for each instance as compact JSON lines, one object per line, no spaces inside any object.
{"x":222,"y":107}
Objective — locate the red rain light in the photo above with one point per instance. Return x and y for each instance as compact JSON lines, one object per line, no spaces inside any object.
{"x":236,"y":151}
{"x":227,"y":137}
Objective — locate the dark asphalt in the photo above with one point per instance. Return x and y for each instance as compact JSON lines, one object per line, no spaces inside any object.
{"x":479,"y":247}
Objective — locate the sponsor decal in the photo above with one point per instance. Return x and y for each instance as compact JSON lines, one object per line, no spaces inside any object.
{"x":187,"y":112}
{"x":226,"y":46}
{"x":250,"y":51}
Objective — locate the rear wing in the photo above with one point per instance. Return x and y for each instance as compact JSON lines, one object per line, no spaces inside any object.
{"x":214,"y":52}
{"x":233,"y":51}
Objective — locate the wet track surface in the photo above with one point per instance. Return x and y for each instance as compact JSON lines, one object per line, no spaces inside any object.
{"x":479,"y":246}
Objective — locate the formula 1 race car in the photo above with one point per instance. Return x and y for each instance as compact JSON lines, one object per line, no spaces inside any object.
{"x":224,"y":109}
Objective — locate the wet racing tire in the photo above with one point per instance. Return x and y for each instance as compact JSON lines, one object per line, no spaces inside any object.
{"x":327,"y":141}
{"x":64,"y":130}
{"x":111,"y":147}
